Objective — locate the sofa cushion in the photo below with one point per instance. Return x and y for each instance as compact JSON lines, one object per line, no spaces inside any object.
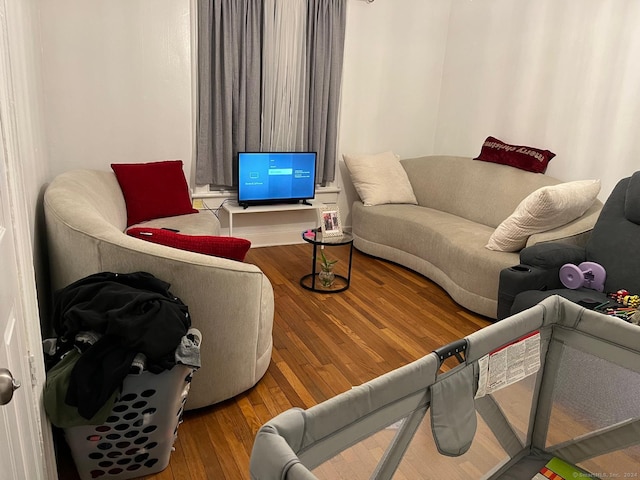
{"x":544,"y":209}
{"x":460,"y":186}
{"x":519,"y":156}
{"x":582,"y":296}
{"x":201,"y":223}
{"x":379,"y":179}
{"x":227,"y":247}
{"x":451,"y":246}
{"x":153,"y":190}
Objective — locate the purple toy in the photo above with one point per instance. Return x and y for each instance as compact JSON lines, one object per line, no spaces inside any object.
{"x":587,"y":274}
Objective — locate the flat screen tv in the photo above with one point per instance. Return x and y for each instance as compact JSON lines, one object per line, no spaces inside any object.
{"x":276,"y":177}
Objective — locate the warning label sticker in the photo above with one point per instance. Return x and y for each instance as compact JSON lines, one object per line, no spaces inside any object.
{"x":509,"y":364}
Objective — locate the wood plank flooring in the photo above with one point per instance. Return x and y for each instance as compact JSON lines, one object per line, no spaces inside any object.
{"x":323,"y":345}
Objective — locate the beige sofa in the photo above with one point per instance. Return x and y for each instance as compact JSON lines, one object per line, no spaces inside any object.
{"x":230,"y":302}
{"x":460,"y":203}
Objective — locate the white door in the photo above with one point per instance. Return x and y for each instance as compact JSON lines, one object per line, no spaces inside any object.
{"x":22,"y":443}
{"x":19,"y":431}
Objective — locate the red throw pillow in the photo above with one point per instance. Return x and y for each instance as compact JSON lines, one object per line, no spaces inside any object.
{"x":227,"y":247}
{"x":153,"y":190}
{"x":518,"y":156}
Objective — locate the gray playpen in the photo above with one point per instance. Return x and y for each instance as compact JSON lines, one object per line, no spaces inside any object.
{"x":555,"y":381}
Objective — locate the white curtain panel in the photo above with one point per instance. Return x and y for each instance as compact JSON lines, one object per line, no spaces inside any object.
{"x":283,"y":76}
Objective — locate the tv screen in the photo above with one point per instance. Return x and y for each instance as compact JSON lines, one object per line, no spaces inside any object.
{"x":276,"y":177}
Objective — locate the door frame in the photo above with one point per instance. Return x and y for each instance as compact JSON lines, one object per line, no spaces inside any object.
{"x":24,"y":148}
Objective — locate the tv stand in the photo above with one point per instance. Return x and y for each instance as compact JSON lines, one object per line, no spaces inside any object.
{"x":236,"y":209}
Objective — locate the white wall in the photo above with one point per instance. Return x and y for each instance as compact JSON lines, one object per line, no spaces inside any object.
{"x":420,"y":77}
{"x":555,"y":74}
{"x":117,"y":77}
{"x":394,"y":55}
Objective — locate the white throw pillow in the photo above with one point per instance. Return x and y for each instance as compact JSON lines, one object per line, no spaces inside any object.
{"x":379,"y":179}
{"x":546,"y":208}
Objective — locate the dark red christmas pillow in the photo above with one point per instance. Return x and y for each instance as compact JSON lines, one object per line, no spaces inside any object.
{"x":227,"y":247}
{"x":519,"y":156}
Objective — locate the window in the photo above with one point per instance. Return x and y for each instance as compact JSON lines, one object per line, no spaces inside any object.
{"x":269,"y":76}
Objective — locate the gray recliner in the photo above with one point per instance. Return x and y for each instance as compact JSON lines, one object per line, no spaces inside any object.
{"x":614,"y":244}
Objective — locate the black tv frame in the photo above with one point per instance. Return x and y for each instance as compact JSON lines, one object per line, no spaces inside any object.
{"x":276,"y":200}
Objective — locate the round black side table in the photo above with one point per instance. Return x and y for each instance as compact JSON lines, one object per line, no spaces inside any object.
{"x":317,"y":239}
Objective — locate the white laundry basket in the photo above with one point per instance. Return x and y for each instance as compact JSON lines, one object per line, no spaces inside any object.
{"x":137,"y":437}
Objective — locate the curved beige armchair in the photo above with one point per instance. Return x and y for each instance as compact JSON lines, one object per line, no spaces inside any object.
{"x":230,"y":302}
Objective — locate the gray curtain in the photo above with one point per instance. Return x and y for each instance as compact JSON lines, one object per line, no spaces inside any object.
{"x":229,"y":79}
{"x":326,"y":20}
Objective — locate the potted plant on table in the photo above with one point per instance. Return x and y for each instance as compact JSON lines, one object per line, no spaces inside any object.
{"x":326,"y":275}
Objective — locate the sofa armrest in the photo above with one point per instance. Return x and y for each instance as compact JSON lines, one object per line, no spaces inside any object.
{"x":552,"y":255}
{"x":539,"y":269}
{"x":576,"y":232}
{"x":230,"y":302}
{"x":520,"y":278}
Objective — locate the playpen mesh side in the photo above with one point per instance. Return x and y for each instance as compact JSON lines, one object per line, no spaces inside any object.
{"x":591,"y":364}
{"x":592,"y":394}
{"x":422,"y":461}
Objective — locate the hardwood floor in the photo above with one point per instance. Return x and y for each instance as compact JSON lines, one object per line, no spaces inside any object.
{"x":323,"y":345}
